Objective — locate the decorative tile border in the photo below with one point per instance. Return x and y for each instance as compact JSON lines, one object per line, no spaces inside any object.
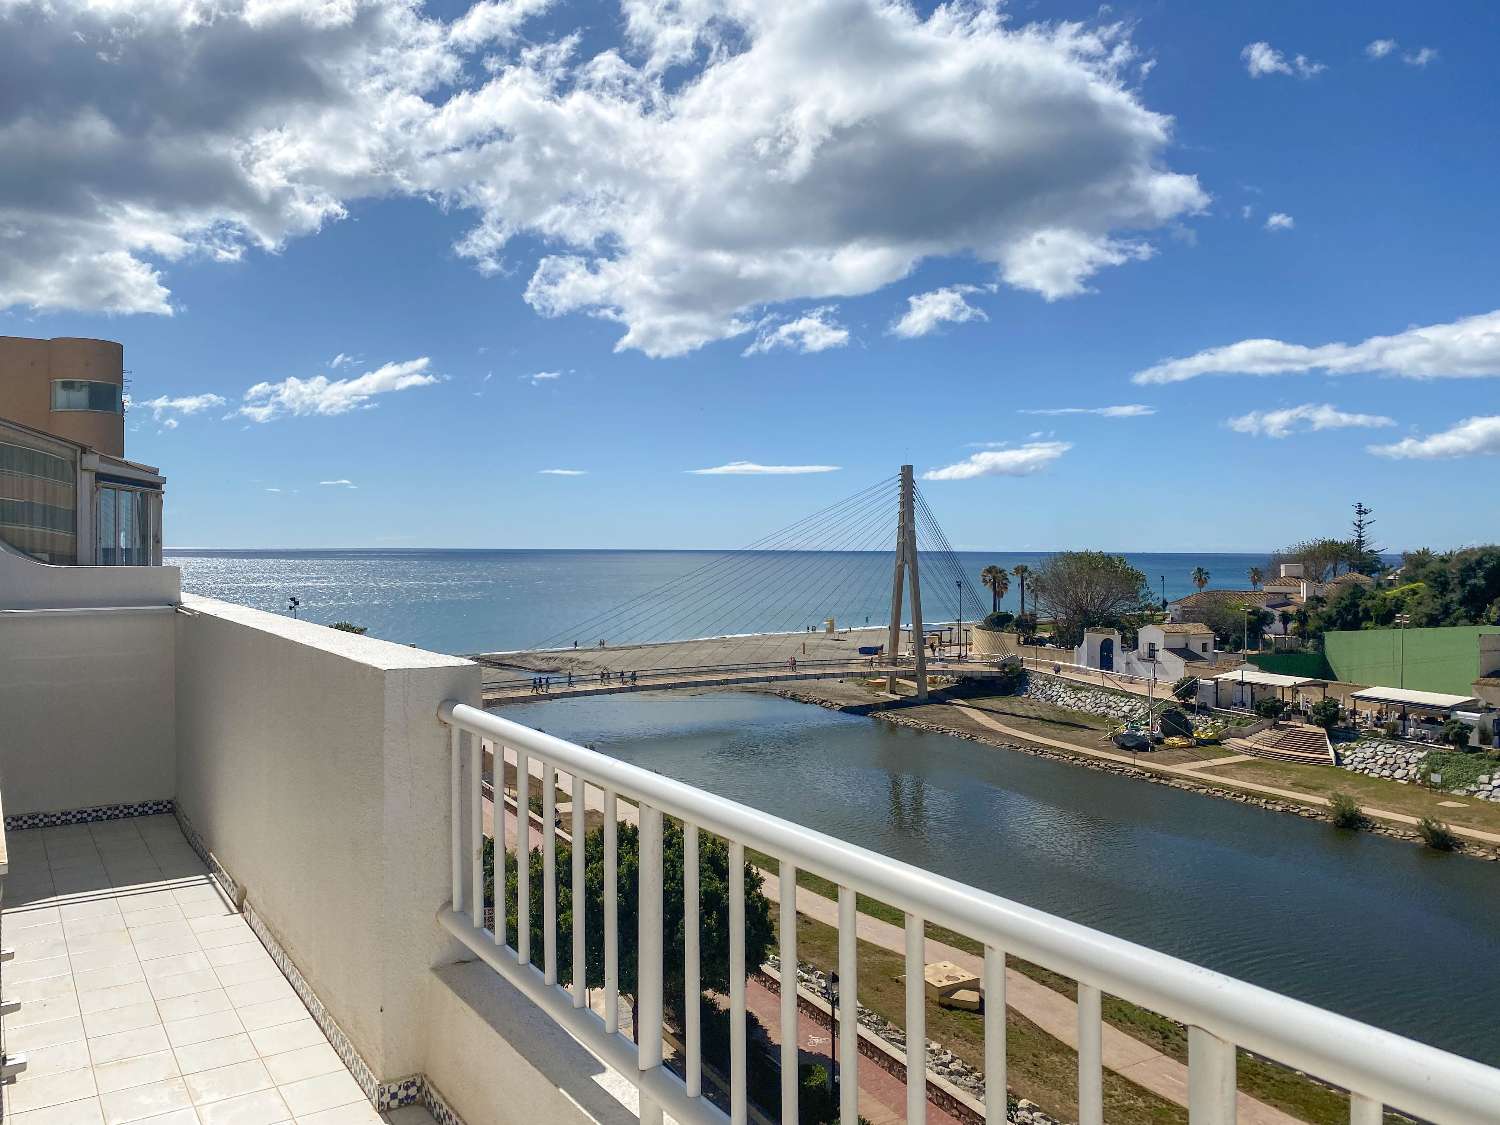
{"x":86,"y":816}
{"x":215,"y":868}
{"x":435,"y":1104}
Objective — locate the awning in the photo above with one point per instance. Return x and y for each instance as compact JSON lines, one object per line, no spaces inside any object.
{"x":1406,"y":697}
{"x":1250,"y":675}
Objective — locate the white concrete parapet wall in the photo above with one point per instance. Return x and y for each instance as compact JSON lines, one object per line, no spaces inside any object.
{"x":28,"y":584}
{"x":313,"y":766}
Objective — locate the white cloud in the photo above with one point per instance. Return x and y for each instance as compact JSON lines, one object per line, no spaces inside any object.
{"x":322,"y":395}
{"x":926,"y":311}
{"x":1384,"y":48}
{"x":1246,"y":210}
{"x":1420,"y":57}
{"x":163,"y":407}
{"x":814,"y":331}
{"x":1280,"y":220}
{"x":341,"y":482}
{"x":750,"y":468}
{"x":540,"y":377}
{"x":1018,"y":462}
{"x":563,"y":472}
{"x":1130,"y":410}
{"x":1310,"y":416}
{"x":730,"y":156}
{"x":1467,"y":348}
{"x":1379,"y":48}
{"x":341,"y":360}
{"x":1468,"y":438}
{"x":1262,"y":59}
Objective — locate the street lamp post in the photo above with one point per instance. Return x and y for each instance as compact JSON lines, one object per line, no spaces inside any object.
{"x":1401,"y":621}
{"x":960,"y":586}
{"x":833,"y":1038}
{"x":293,"y":604}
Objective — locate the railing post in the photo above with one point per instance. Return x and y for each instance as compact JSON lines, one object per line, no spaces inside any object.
{"x":611,"y":913}
{"x":692,"y":967}
{"x":1090,"y":1056}
{"x":789,"y":1076}
{"x":994,"y":1034}
{"x":549,"y":873}
{"x":738,"y":1088}
{"x":523,"y":856}
{"x":1211,"y":1084}
{"x":916,"y":1021}
{"x":457,"y":767}
{"x":848,"y":1009}
{"x":1365,"y":1111}
{"x":649,"y":950}
{"x":579,"y":898}
{"x":476,"y":831}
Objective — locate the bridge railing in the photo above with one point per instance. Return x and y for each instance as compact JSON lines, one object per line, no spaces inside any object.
{"x":1379,"y":1068}
{"x":583,"y":679}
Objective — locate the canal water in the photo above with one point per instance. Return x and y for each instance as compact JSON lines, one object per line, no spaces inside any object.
{"x":1378,"y":929}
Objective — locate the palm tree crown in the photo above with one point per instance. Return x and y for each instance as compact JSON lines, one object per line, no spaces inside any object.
{"x":996,"y":579}
{"x":1200,"y":577}
{"x":1257,"y":576}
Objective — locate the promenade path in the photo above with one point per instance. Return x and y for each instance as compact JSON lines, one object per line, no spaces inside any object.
{"x":1197,"y":771}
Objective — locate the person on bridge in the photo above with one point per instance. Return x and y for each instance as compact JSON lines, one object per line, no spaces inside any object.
{"x":570,"y":674}
{"x":632,"y":679}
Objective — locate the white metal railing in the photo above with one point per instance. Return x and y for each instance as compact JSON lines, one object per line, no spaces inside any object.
{"x":1380,"y":1069}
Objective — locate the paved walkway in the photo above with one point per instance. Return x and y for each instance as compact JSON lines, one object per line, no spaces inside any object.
{"x":1193,"y":772}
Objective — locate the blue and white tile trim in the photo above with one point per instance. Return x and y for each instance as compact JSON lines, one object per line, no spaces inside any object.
{"x":86,"y":816}
{"x":216,"y":869}
{"x":441,"y":1111}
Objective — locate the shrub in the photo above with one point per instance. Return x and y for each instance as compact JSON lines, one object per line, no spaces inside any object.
{"x":1001,"y":620}
{"x":1325,"y":713}
{"x":817,"y":1103}
{"x":1345,"y":812}
{"x":1454,"y":768}
{"x":1269,"y":708}
{"x":349,"y":627}
{"x":1437,"y":835}
{"x":1456,"y":733}
{"x":1391,"y":728}
{"x":1185,"y":687}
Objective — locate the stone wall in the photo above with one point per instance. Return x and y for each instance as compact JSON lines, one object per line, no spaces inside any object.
{"x":1080,"y":697}
{"x":1401,"y":761}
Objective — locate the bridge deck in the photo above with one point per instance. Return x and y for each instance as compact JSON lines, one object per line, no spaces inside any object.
{"x":707,"y":678}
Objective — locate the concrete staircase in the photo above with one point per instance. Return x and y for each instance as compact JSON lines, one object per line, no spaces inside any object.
{"x":1288,"y":742}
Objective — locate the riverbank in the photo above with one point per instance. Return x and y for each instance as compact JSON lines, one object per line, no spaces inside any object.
{"x":1078,"y":739}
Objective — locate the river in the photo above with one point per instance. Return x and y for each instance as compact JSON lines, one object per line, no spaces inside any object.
{"x":1375,"y":928}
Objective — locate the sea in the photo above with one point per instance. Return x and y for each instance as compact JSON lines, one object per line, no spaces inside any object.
{"x":468,"y":601}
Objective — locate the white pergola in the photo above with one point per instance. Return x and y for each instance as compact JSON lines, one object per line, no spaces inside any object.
{"x":1410,"y":699}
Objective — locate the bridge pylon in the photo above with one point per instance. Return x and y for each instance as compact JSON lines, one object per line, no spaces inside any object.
{"x":906,"y":575}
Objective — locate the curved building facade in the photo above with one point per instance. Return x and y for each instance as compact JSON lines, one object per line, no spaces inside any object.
{"x":74,"y":388}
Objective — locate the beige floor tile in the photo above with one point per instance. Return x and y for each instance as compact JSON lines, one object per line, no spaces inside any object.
{"x":174,"y":965}
{"x":356,"y":1113}
{"x":54,"y":1060}
{"x":229,"y":1081}
{"x":174,"y":946}
{"x":103,"y":958}
{"x":214,"y":1053}
{"x":257,"y":1016}
{"x":410,"y":1115}
{"x":233,"y":935}
{"x":84,"y":1112}
{"x":184,"y":984}
{"x":194,"y":1004}
{"x":38,"y":942}
{"x":326,"y":1091}
{"x":40,"y":989}
{"x":100,"y":923}
{"x":88,"y":908}
{"x":139,"y":1071}
{"x":113,"y":1020}
{"x":119,"y":996}
{"x":305,"y":1062}
{"x":36,"y":970}
{"x":264,"y":1107}
{"x":153,"y":916}
{"x":110,"y":977}
{"x":127,"y":1044}
{"x":27,"y":917}
{"x":43,"y":1011}
{"x":200,"y":1029}
{"x":37,"y":1035}
{"x":222,"y":922}
{"x":140,"y":902}
{"x":260,"y":992}
{"x":149,"y":1101}
{"x":237,"y":954}
{"x":99,"y":939}
{"x":38,"y":1092}
{"x":242,"y":971}
{"x":287,"y":1037}
{"x":151,"y":931}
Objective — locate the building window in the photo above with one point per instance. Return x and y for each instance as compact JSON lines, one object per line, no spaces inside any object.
{"x":123,"y":528}
{"x":1150,"y":650}
{"x":1205,"y":646}
{"x":86,"y":394}
{"x":38,"y":503}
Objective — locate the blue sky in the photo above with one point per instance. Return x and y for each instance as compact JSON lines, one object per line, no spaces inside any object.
{"x":771,"y":224}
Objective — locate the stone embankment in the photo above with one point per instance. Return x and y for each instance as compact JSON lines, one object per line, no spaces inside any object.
{"x":1058,"y":692}
{"x":1401,"y":761}
{"x":940,"y":1061}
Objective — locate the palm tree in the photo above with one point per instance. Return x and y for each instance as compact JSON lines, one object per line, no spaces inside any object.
{"x":1257,"y":576}
{"x":995,"y":578}
{"x":1021,"y":570}
{"x":1200,"y":577}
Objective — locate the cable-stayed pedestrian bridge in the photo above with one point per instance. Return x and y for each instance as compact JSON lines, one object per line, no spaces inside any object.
{"x":837,"y":594}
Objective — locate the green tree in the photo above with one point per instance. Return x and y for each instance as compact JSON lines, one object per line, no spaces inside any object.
{"x":998,"y":581}
{"x":1325,"y":713}
{"x":1257,"y":576}
{"x":1226,"y":615}
{"x":1021,"y":571}
{"x":1086,"y":590}
{"x":1200,"y":578}
{"x":713,"y":891}
{"x":350,"y":627}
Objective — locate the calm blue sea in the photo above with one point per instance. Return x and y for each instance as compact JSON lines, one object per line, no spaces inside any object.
{"x":485,"y":601}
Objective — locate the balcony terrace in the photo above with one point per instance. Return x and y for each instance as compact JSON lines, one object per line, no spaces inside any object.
{"x":245,"y":883}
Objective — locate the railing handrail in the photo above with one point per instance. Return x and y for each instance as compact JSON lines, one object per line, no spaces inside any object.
{"x":1399,"y":1072}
